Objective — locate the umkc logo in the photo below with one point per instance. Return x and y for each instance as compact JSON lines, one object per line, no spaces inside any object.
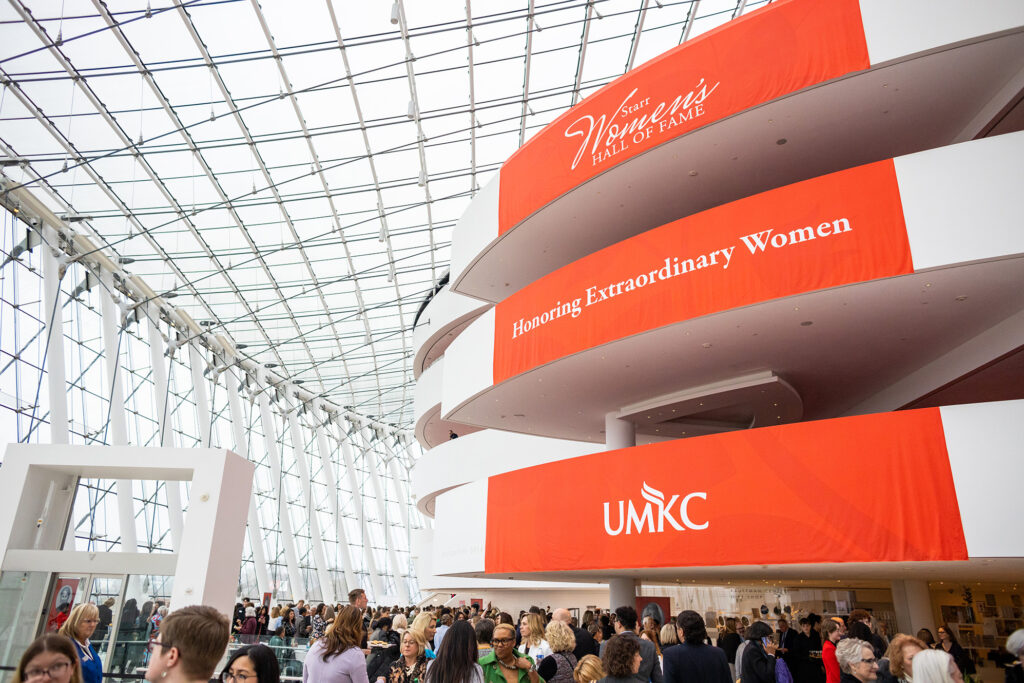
{"x":656,"y":512}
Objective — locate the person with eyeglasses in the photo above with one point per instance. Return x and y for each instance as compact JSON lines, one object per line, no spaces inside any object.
{"x":506,"y":664}
{"x":79,"y":627}
{"x":252,"y":664}
{"x":50,"y":658}
{"x":191,"y":642}
{"x":857,"y":661}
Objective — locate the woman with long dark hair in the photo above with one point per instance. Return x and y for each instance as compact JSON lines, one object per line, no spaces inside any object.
{"x":252,"y":664}
{"x":337,"y":657}
{"x":289,"y":623}
{"x":456,"y":658}
{"x":947,"y":643}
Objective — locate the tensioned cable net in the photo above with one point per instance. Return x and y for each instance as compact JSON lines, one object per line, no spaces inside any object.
{"x":292,"y":172}
{"x":288,"y":175}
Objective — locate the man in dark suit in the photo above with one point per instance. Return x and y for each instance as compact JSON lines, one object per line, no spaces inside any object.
{"x":624,"y":621}
{"x":693,"y":660}
{"x":787,"y":641}
{"x":585,"y":644}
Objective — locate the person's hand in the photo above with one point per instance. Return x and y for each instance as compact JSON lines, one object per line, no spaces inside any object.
{"x":523,"y":663}
{"x":770,"y":648}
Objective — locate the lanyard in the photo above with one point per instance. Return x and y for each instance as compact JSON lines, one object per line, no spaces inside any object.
{"x":84,"y":652}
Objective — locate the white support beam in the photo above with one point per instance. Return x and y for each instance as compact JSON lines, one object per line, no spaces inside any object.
{"x":688,"y":24}
{"x":297,"y":587}
{"x":398,"y":477}
{"x":331,"y":480}
{"x":161,"y":389}
{"x":316,"y":538}
{"x":259,"y":557}
{"x":372,"y":465}
{"x":526,"y":74}
{"x":203,"y":407}
{"x":54,"y":312}
{"x":117,"y":426}
{"x":357,"y":498}
{"x":637,"y":33}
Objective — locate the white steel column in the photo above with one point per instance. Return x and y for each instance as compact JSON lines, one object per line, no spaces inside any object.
{"x":259,"y":557}
{"x":163,"y":421}
{"x":618,"y":433}
{"x":621,"y":592}
{"x":332,"y":502}
{"x":353,"y":479}
{"x":397,"y":479}
{"x":913,"y":605}
{"x":316,"y":539}
{"x":378,"y":492}
{"x":203,"y":407}
{"x":54,"y":316}
{"x":117,"y":429}
{"x":291,"y":557}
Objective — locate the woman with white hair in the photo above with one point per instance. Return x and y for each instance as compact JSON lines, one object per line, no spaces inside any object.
{"x":935,"y":666}
{"x":857,"y":662}
{"x":247,"y":634}
{"x":399,"y":624}
{"x":1015,"y":646}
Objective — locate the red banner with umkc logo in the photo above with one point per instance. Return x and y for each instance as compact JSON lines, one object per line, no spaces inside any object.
{"x":833,"y":230}
{"x":873,"y":488}
{"x":767,"y":54}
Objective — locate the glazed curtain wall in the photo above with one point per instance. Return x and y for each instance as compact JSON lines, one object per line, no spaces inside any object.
{"x":24,"y":417}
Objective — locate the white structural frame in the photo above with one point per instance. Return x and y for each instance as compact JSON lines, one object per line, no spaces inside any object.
{"x":205,"y":568}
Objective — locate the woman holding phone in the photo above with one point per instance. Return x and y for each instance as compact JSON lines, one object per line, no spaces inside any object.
{"x":759,"y":655}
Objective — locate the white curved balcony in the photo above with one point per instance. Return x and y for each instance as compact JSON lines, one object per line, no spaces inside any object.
{"x":442,"y":320}
{"x":481,"y":454}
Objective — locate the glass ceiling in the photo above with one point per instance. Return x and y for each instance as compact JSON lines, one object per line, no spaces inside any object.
{"x":291,"y":172}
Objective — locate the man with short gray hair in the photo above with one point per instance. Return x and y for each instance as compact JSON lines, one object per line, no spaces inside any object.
{"x":585,"y":644}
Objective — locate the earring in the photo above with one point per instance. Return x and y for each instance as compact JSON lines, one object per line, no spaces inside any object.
{"x":163,"y":675}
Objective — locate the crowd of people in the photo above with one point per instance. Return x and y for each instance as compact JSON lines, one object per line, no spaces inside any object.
{"x":353,"y":643}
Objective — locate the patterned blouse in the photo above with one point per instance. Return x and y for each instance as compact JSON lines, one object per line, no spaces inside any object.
{"x":319,"y":626}
{"x":399,"y":673}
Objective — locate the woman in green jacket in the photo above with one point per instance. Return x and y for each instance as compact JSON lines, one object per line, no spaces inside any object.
{"x":506,"y":664}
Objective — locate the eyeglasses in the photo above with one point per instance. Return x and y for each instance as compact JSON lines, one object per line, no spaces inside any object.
{"x":869,"y":662}
{"x":156,"y":643}
{"x":240,"y":677}
{"x":502,"y":641}
{"x":52,"y":672}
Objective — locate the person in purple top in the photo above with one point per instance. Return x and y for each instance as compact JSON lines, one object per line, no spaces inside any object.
{"x":338,"y":657}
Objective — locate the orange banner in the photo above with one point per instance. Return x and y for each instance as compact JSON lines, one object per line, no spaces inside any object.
{"x":837,"y":229}
{"x":769,"y":53}
{"x":873,"y":488}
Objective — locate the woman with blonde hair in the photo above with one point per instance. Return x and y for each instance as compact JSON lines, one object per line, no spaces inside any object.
{"x":531,"y":628}
{"x":50,"y":658}
{"x":399,"y":624}
{"x":559,"y":665}
{"x":669,"y":636}
{"x":426,"y":626}
{"x":337,"y":657}
{"x":589,"y":670}
{"x":901,"y":651}
{"x":79,"y":627}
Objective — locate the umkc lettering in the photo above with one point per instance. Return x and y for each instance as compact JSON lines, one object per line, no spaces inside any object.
{"x":652,"y":519}
{"x":615,"y":136}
